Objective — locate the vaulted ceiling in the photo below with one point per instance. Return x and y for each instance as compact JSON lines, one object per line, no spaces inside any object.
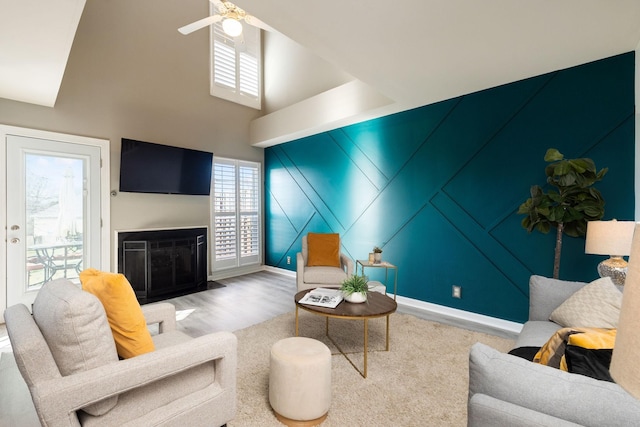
{"x":35,"y":41}
{"x":413,"y":52}
{"x":420,"y":51}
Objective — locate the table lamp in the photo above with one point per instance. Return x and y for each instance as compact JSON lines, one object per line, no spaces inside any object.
{"x":611,"y":238}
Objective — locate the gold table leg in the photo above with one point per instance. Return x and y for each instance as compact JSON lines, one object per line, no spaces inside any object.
{"x":387,"y":333}
{"x":366,"y":345}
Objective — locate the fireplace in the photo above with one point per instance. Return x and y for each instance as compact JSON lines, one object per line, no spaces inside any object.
{"x":162,"y":264}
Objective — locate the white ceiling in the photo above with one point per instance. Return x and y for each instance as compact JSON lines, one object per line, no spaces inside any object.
{"x":35,"y":41}
{"x":414,"y":52}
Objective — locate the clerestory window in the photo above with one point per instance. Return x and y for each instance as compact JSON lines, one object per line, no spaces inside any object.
{"x":236,"y":66}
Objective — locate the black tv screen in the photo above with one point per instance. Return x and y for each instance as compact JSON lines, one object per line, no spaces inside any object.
{"x":154,"y":168}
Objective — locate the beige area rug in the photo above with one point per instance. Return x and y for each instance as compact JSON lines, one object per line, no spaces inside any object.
{"x":421,"y":381}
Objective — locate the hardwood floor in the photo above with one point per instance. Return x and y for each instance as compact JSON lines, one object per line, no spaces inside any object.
{"x":239,"y":303}
{"x":233,"y":304}
{"x":254,"y":298}
{"x":229,"y":305}
{"x":247,"y":300}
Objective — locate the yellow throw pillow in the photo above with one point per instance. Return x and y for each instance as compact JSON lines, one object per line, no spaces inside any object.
{"x":594,"y":339}
{"x":124,"y":314}
{"x":552,"y":353}
{"x":323,"y":249}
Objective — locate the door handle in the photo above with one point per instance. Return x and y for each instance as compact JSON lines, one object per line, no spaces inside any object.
{"x":15,"y":227}
{"x":15,"y":240}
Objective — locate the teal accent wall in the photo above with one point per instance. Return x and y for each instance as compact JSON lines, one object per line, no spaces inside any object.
{"x":438,"y":187}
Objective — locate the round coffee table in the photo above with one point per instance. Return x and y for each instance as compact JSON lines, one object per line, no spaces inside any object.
{"x":377,"y":305}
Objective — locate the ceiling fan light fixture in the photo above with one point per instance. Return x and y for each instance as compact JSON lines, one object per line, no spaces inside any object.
{"x":232,"y":27}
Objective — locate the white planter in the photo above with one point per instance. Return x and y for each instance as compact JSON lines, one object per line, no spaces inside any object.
{"x":377,"y":257}
{"x":356,"y":297}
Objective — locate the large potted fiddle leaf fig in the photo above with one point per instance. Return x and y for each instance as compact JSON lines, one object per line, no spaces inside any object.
{"x":569,"y":205}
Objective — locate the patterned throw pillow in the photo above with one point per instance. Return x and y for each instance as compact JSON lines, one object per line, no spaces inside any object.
{"x":597,"y":305}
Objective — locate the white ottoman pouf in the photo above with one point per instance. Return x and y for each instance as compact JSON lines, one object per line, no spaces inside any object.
{"x":300,"y":381}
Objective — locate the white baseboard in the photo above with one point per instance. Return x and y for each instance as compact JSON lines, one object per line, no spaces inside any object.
{"x":278,"y":270}
{"x":233,"y":272}
{"x":441,"y":310}
{"x":466,"y":316}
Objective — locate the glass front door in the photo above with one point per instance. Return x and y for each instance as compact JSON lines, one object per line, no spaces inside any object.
{"x":53,"y":219}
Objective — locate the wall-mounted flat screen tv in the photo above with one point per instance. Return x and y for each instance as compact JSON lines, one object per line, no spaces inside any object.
{"x":146,"y":167}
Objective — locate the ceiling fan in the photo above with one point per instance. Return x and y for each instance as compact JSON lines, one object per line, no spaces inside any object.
{"x":231,"y":17}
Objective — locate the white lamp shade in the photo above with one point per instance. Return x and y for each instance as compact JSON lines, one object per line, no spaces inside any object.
{"x":609,"y":237}
{"x":232,"y":27}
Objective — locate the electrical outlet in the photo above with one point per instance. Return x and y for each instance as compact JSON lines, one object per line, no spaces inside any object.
{"x":288,"y":260}
{"x":456,"y":291}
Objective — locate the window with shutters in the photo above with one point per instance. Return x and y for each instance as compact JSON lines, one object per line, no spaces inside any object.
{"x":236,"y":213}
{"x":236,"y":66}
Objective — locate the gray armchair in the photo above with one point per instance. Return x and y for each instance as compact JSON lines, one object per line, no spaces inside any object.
{"x":317,"y":276}
{"x":185,"y":381}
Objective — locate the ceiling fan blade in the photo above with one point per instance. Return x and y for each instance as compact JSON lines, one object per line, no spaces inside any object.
{"x":220,"y":6}
{"x":252,"y":20}
{"x":194,"y":26}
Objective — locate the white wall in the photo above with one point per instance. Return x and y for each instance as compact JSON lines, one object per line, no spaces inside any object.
{"x":132,"y":75}
{"x":293,"y":73}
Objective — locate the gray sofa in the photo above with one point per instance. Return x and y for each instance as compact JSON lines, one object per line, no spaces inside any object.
{"x":506,"y":390}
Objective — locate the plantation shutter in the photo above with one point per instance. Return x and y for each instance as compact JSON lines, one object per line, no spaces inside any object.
{"x":236,"y":69}
{"x":224,"y":64}
{"x":225,"y":213}
{"x":236,"y":213}
{"x":249,"y":218}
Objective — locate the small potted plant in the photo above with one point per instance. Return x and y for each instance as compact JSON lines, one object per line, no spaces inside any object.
{"x":355,"y":288}
{"x":377,"y":255}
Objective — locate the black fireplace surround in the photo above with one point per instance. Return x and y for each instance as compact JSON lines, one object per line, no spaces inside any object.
{"x":162,"y":264}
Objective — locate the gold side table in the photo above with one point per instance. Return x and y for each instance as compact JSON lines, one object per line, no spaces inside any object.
{"x":364,"y":263}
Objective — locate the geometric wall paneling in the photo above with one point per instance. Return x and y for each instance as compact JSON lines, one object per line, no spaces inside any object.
{"x":288,"y":211}
{"x":276,"y":253}
{"x":502,"y":260}
{"x":361,"y":160}
{"x":286,"y":193}
{"x":534,"y":251}
{"x":620,"y":176}
{"x":496,"y":150}
{"x":405,"y":132}
{"x":538,"y":251}
{"x":494,"y":282}
{"x":328,"y":174}
{"x":590,"y":97}
{"x":439,"y":186}
{"x":441,"y":256}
